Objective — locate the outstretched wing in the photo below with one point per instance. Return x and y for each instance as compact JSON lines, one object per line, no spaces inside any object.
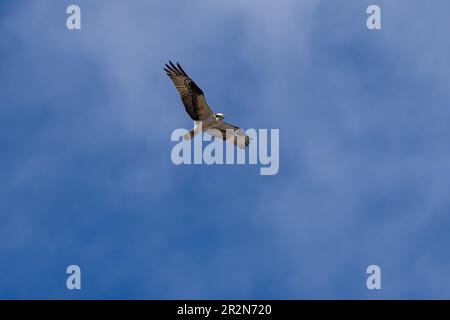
{"x":235,"y":134}
{"x":191,"y":95}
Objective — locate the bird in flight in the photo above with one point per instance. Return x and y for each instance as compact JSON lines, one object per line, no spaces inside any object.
{"x":195,"y":104}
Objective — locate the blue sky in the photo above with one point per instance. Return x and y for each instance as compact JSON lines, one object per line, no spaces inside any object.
{"x":87,"y":179}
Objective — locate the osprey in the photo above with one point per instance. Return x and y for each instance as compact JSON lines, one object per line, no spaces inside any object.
{"x":197,"y":108}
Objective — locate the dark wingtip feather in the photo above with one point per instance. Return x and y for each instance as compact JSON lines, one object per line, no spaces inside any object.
{"x":175,"y":68}
{"x":171,"y":69}
{"x":181,"y":69}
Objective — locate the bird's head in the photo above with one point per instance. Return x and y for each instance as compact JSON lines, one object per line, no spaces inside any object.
{"x":219,"y":116}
